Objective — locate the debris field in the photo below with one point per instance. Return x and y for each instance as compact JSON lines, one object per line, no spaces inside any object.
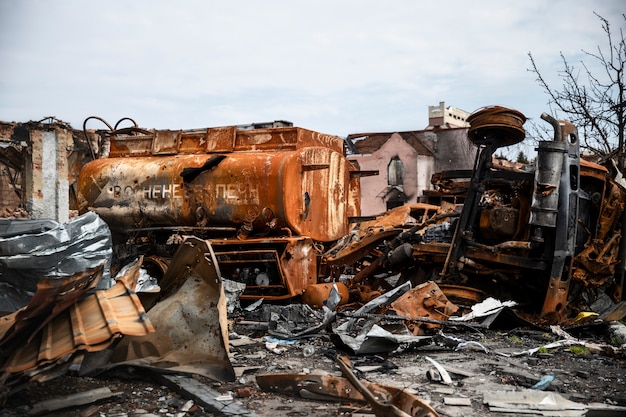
{"x":227,"y":271}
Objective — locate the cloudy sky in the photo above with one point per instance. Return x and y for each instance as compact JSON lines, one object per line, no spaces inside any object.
{"x":338,"y":67}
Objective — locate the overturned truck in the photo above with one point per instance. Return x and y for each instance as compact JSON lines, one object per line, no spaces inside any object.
{"x":549,"y":238}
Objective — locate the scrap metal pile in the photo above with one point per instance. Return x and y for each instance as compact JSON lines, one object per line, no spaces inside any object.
{"x":63,"y":313}
{"x":549,"y":238}
{"x":274,"y":212}
{"x":279,"y":206}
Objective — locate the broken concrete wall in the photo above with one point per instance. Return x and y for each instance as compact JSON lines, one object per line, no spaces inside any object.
{"x":39,"y":163}
{"x":451,"y":149}
{"x":10,"y":161}
{"x":46,"y":180}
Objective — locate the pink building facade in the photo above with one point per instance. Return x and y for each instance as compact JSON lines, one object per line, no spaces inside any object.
{"x":405,"y":162}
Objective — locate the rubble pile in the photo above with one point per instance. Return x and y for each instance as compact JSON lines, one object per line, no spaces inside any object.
{"x":226,"y":271}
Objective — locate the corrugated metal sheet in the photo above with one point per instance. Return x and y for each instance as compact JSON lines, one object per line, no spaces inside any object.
{"x":53,"y":295}
{"x":90,"y":324}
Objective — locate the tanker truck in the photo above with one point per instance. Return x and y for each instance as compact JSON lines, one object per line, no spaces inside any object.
{"x":267,"y":198}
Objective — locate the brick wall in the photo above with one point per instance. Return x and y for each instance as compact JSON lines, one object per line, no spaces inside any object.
{"x":9,"y":201}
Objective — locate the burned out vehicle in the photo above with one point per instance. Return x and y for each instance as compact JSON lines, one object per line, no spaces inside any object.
{"x":549,"y":238}
{"x":267,"y":198}
{"x":280,"y":206}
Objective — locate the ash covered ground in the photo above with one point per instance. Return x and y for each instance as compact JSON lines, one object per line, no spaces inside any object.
{"x":494,"y":360}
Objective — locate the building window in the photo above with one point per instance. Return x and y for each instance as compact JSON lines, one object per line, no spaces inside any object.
{"x":395,"y":198}
{"x":395,"y":172}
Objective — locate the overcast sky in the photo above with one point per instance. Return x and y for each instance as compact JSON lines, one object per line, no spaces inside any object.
{"x":337,"y":67}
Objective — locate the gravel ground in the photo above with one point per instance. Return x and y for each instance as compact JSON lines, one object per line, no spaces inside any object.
{"x":582,"y":375}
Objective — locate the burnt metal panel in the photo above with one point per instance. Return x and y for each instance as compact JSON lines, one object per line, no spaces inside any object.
{"x":90,"y":324}
{"x":384,"y":400}
{"x":369,"y":233}
{"x":285,"y":138}
{"x":190,"y":319}
{"x":274,"y":269}
{"x":166,"y":142}
{"x":140,"y":142}
{"x":131,"y":145}
{"x":426,"y":301}
{"x":209,"y":140}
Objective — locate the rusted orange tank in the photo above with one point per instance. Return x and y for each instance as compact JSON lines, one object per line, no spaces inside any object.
{"x":276,"y":181}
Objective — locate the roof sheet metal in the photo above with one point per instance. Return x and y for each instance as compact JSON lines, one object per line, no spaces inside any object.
{"x":53,"y":295}
{"x":90,"y":325}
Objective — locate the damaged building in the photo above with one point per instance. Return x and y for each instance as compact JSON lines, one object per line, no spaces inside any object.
{"x":40,"y":164}
{"x":406,"y":161}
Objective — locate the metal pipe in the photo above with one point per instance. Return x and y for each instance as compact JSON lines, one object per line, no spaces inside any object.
{"x":555,"y":125}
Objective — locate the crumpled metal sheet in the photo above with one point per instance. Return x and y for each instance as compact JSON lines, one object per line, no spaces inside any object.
{"x":364,"y":336}
{"x":13,"y":227}
{"x":297,"y":321}
{"x":426,"y":300}
{"x":35,"y":249}
{"x":232,"y":291}
{"x":46,"y":343}
{"x":371,"y":339}
{"x":53,"y":296}
{"x":189,"y":319}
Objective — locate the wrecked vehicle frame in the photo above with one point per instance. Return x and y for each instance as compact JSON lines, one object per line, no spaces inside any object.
{"x":280,"y":206}
{"x":511,"y":236}
{"x":276,"y":204}
{"x":549,"y":238}
{"x":268,"y":199}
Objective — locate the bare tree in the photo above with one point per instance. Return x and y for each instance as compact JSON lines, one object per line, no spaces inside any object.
{"x":595,"y":102}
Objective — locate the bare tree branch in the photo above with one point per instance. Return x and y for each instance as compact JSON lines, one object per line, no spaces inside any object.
{"x":595,"y":101}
